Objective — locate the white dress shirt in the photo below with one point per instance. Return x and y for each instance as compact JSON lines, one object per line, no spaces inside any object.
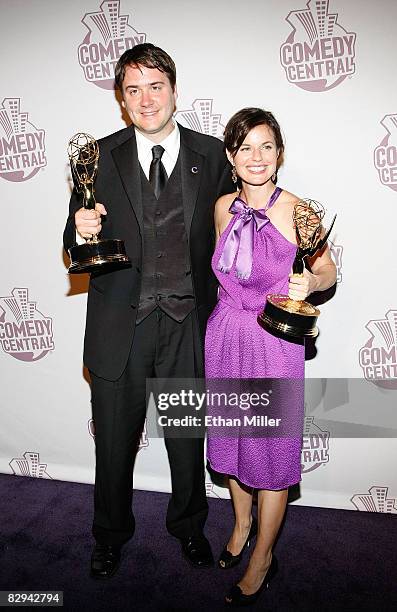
{"x":171,"y":145}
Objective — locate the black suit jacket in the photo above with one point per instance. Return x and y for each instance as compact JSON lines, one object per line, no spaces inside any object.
{"x":113,"y":297}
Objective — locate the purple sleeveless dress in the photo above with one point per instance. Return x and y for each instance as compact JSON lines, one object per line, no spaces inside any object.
{"x":237,"y":347}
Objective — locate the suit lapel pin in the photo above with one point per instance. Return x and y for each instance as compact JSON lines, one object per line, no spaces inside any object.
{"x":194,"y":170}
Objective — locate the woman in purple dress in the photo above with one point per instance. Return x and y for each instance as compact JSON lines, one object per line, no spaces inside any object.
{"x":256,"y":246}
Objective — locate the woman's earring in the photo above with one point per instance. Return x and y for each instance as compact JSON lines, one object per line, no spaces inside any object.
{"x":274,"y":177}
{"x":234,"y":175}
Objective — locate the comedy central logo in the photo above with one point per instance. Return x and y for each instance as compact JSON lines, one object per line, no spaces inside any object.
{"x":29,"y":465}
{"x":210,"y":490}
{"x":22,"y":147}
{"x":143,"y":441}
{"x":319,"y":53}
{"x":378,"y":357}
{"x":385,"y":155}
{"x":315,"y":446}
{"x":109,"y":35}
{"x":200,"y":118}
{"x":25,"y":333}
{"x":376,"y":500}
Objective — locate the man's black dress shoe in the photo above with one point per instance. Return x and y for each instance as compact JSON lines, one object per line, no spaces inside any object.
{"x":105,"y":560}
{"x":198,"y":551}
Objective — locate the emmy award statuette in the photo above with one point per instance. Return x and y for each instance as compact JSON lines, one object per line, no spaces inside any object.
{"x":292,"y":317}
{"x":96,"y":253}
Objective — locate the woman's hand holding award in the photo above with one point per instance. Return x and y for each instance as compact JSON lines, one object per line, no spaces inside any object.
{"x":297,"y":318}
{"x":96,"y":253}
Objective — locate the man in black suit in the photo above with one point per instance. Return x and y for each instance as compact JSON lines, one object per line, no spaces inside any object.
{"x":157,"y":183}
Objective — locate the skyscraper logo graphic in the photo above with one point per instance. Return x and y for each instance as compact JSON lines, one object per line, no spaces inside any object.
{"x":336,"y":254}
{"x":210,"y":489}
{"x":375,"y":500}
{"x":143,"y":441}
{"x":29,"y":465}
{"x":385,"y":155}
{"x":319,"y":53}
{"x":109,"y":35}
{"x":200,"y":118}
{"x":315,"y":446}
{"x":25,"y":333}
{"x":22,"y":145}
{"x":378,"y":357}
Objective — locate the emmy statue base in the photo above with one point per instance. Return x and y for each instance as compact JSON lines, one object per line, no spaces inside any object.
{"x":95,"y":254}
{"x":289,"y":317}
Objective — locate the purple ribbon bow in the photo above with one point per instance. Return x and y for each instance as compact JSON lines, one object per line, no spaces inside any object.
{"x":240,"y":240}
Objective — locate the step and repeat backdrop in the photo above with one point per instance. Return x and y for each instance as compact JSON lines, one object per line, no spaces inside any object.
{"x":326,"y":70}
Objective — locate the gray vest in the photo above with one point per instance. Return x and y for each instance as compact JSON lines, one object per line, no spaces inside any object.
{"x":166,"y":270}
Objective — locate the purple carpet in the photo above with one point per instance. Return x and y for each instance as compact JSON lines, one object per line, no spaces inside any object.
{"x":335,"y":560}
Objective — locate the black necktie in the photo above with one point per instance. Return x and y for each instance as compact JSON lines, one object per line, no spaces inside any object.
{"x":157,"y":174}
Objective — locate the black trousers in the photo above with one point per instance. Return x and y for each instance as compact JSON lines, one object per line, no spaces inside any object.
{"x":161,"y":348}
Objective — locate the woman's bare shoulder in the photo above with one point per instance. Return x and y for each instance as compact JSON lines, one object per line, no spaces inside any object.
{"x":288,"y":199}
{"x":223,"y":203}
{"x":222,"y":206}
{"x":222,"y":214}
{"x":285,"y":205}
